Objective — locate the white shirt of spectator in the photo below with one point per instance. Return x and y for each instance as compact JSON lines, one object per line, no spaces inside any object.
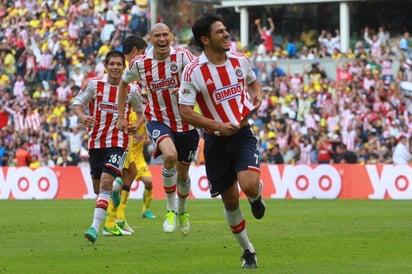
{"x":106,"y":32}
{"x":401,"y":154}
{"x":331,"y":44}
{"x":64,"y":93}
{"x":75,"y":139}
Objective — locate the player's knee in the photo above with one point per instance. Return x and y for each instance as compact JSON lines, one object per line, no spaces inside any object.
{"x":170,"y":158}
{"x":250,"y":188}
{"x":148,"y":185}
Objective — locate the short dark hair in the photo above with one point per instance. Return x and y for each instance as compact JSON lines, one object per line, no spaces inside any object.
{"x":114,"y":53}
{"x":202,"y":26}
{"x":133,"y":41}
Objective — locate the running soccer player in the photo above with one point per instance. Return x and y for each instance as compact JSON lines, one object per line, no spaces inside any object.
{"x":107,"y":145}
{"x":135,"y":165}
{"x":160,"y":69}
{"x":226,"y":90}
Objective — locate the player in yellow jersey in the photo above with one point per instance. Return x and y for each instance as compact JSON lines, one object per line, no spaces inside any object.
{"x":135,"y":165}
{"x":140,"y":139}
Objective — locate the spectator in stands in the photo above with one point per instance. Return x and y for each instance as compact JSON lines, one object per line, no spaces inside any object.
{"x":275,"y":74}
{"x":60,"y":70}
{"x":64,"y":159}
{"x":45,"y":66}
{"x":324,"y":148}
{"x":274,"y":155}
{"x":22,"y":156}
{"x":47,"y":161}
{"x":64,"y":92}
{"x":19,"y":88}
{"x":344,"y":156}
{"x":402,"y":154}
{"x":266,"y":34}
{"x":383,"y":35}
{"x":291,"y":48}
{"x":35,"y":162}
{"x":5,"y":83}
{"x":262,"y":74}
{"x":308,"y":36}
{"x":75,"y":139}
{"x":306,"y":54}
{"x":9,"y":62}
{"x":78,"y":77}
{"x":4,"y":157}
{"x":404,"y":44}
{"x":329,"y":42}
{"x":375,"y":44}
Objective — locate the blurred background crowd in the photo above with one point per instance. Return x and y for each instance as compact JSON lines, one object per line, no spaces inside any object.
{"x":360,"y":113}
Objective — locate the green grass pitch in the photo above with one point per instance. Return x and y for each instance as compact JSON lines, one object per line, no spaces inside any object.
{"x":295,"y":236}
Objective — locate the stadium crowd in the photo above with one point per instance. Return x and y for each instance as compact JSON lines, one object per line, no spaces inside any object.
{"x":50,"y":48}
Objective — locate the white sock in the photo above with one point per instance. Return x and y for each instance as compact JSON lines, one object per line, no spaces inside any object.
{"x":169,"y":185}
{"x":183,"y":190}
{"x":100,"y":209}
{"x":237,"y":224}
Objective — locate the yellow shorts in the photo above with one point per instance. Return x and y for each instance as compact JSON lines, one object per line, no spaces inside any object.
{"x":129,"y":159}
{"x":141,"y":165}
{"x":143,"y":169}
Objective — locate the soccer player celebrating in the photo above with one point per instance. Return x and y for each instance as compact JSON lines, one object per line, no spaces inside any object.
{"x":160,"y":69}
{"x":226,"y":90}
{"x":135,"y":165}
{"x":107,"y":145}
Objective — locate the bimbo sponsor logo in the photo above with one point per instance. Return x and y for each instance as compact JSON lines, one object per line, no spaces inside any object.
{"x":227,"y":93}
{"x":108,"y":107}
{"x":163,"y":83}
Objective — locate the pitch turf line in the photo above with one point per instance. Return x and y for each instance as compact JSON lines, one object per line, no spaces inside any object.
{"x":295,"y":236}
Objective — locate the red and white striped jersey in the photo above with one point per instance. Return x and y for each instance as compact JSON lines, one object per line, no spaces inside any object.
{"x":32,"y":120}
{"x":221,"y":91}
{"x":35,"y":149}
{"x":161,"y":78}
{"x":18,"y":120}
{"x":18,"y":89}
{"x":101,"y":99}
{"x":74,"y":30}
{"x":46,"y":61}
{"x":64,"y":93}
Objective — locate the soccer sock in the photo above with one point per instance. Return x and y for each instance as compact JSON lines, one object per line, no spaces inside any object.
{"x":169,"y":185}
{"x":124,"y":198}
{"x":252,"y":199}
{"x":147,"y":199}
{"x":237,"y":224}
{"x":111,"y":215}
{"x":100,"y":208}
{"x":183,"y":190}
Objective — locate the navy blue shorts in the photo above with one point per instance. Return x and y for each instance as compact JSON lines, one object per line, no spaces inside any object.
{"x":185,"y":142}
{"x":226,"y":156}
{"x":108,"y":160}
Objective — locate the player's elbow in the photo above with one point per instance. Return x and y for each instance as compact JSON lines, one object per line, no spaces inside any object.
{"x":185,"y":113}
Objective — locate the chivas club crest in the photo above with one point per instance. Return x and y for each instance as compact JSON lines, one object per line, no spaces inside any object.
{"x":173,"y":67}
{"x":239,"y":73}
